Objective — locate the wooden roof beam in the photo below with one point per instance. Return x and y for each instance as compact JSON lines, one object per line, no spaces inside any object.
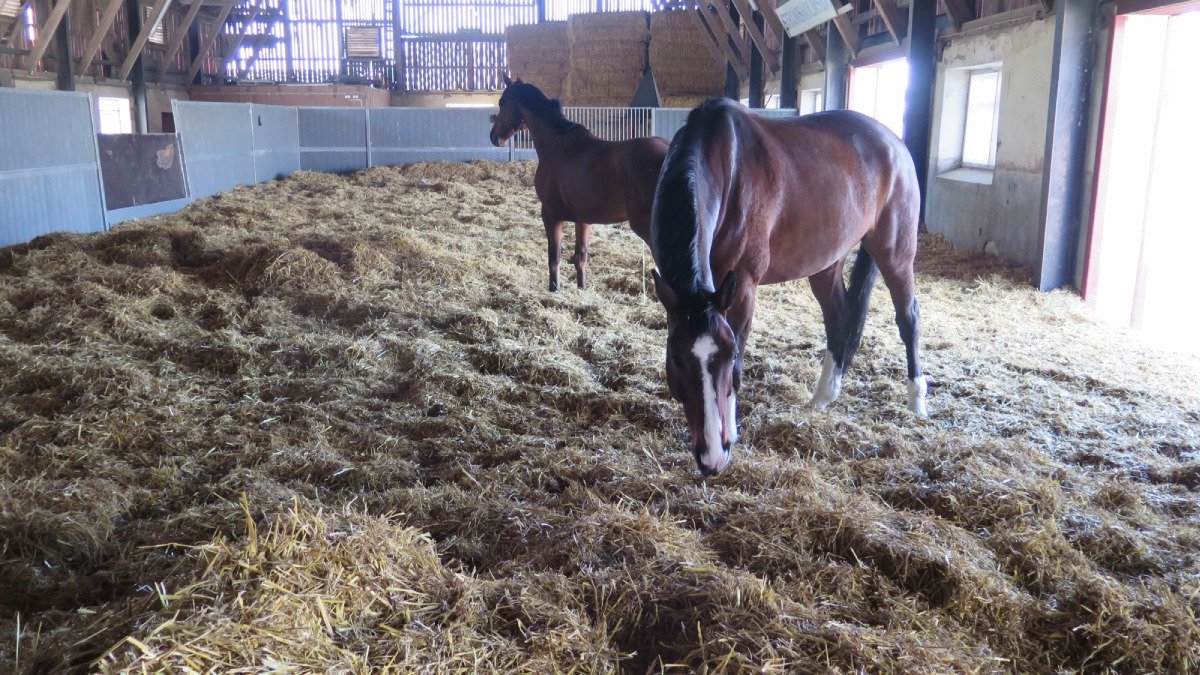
{"x":722,"y":39}
{"x":847,"y":30}
{"x":237,"y":44}
{"x":177,"y":39}
{"x":98,"y":35}
{"x":16,"y":22}
{"x":156,"y":16}
{"x":960,"y":12}
{"x":770,"y":56}
{"x":895,"y":20}
{"x":816,"y":42}
{"x":203,"y":53}
{"x":731,"y":30}
{"x":46,"y":32}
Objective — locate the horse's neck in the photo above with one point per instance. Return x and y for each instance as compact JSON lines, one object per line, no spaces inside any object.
{"x":548,"y":141}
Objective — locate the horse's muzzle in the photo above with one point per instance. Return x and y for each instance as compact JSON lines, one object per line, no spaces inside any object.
{"x":723,"y":459}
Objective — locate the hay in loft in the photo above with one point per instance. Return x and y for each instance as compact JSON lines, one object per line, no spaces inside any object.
{"x":683,"y":66}
{"x":540,"y":55}
{"x":336,"y":423}
{"x":608,"y":57}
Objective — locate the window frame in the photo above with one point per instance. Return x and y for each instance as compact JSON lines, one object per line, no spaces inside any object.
{"x":994,"y":138}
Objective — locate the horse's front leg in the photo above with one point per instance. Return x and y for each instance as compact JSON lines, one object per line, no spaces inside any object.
{"x":583,"y":232}
{"x":740,"y":316}
{"x":554,"y":230}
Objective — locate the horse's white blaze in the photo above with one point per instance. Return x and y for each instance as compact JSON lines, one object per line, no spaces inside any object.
{"x":829,"y":386}
{"x":714,"y":456}
{"x":917,"y":388}
{"x":731,"y":419}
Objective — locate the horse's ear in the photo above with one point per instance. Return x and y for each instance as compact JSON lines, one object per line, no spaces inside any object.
{"x":665,"y":294}
{"x":723,"y":299}
{"x":507,"y":81}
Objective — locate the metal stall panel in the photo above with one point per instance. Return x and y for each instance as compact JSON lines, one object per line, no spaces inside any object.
{"x":142,"y":175}
{"x":667,"y":121}
{"x":333,"y":139}
{"x":401,"y":135}
{"x":218,"y":145}
{"x":276,"y":141}
{"x":49,"y":176}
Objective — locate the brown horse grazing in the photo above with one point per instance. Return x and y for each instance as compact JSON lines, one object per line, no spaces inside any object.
{"x":749,"y":200}
{"x":580,"y":177}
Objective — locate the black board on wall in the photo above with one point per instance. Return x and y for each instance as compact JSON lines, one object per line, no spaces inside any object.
{"x":138,"y":169}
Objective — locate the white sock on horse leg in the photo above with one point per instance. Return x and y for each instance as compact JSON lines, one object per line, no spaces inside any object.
{"x":732,"y":417}
{"x":829,"y":386}
{"x":916,"y":396}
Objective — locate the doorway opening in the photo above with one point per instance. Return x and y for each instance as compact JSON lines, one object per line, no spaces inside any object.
{"x":1144,"y":245}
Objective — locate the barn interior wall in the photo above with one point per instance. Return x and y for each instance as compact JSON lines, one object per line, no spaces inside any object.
{"x":158,"y":95}
{"x":998,"y":209}
{"x":342,"y":95}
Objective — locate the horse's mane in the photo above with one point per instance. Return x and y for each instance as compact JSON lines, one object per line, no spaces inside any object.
{"x":549,"y":109}
{"x":675,"y":229}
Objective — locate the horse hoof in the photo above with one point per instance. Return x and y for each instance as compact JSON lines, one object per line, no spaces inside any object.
{"x":553,"y":287}
{"x":916,"y":396}
{"x":819,"y":403}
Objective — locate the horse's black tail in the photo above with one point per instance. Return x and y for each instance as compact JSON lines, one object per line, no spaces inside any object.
{"x":858,"y":300}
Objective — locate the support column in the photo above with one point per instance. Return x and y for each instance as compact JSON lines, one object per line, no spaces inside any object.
{"x":733,"y":86}
{"x":193,"y":49}
{"x":1066,"y":144}
{"x":64,"y":70}
{"x":837,"y":70}
{"x":141,"y":122}
{"x":398,"y":45}
{"x":918,"y":102}
{"x":789,"y":74}
{"x":758,"y":97}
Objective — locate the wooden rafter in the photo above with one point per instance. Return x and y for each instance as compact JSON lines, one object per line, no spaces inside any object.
{"x":156,"y":16}
{"x":960,"y":12}
{"x":895,"y":20}
{"x":767,"y":7}
{"x":178,"y":37}
{"x":847,"y":30}
{"x":46,"y":32}
{"x":770,"y":56}
{"x":203,"y":53}
{"x":237,"y":44}
{"x":102,"y":28}
{"x":816,"y":42}
{"x":720,"y":37}
{"x":731,"y":30}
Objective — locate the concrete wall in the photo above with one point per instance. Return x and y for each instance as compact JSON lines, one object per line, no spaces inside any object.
{"x":307,"y":95}
{"x":999,"y":209}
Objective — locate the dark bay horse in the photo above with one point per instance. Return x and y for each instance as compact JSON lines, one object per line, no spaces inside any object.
{"x":579,"y":177}
{"x":746,"y":200}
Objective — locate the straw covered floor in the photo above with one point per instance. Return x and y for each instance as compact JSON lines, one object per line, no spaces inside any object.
{"x":338,"y":424}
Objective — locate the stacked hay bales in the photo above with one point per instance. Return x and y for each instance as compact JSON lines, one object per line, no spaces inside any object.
{"x":684,"y":68}
{"x":608,"y":57}
{"x":539,"y":55}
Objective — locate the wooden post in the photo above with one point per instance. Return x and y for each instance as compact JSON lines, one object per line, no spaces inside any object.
{"x":1064,"y":167}
{"x":918,"y":102}
{"x":64,"y":75}
{"x":757,"y":93}
{"x":789,"y":75}
{"x":133,"y":15}
{"x":837,"y":71}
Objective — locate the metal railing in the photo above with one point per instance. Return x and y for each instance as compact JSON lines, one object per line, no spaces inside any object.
{"x":610,"y":124}
{"x":622,"y":124}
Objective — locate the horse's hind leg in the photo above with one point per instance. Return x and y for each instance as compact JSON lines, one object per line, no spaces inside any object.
{"x":895,"y":259}
{"x":583,"y":232}
{"x":554,"y":230}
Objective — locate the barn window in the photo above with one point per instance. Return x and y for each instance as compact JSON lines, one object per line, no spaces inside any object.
{"x":114,"y":115}
{"x":878,"y":91}
{"x":982,"y":120}
{"x":811,"y":101}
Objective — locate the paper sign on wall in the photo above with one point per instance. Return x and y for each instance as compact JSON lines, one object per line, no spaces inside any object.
{"x":798,"y":16}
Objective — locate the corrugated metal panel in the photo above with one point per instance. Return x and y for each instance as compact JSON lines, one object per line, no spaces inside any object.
{"x":218,"y":145}
{"x":49,"y":173}
{"x":333,"y":139}
{"x":276,"y":141}
{"x":400,"y":135}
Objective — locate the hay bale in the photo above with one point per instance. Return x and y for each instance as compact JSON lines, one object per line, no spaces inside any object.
{"x":608,"y":57}
{"x":539,"y":54}
{"x":683,"y":66}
